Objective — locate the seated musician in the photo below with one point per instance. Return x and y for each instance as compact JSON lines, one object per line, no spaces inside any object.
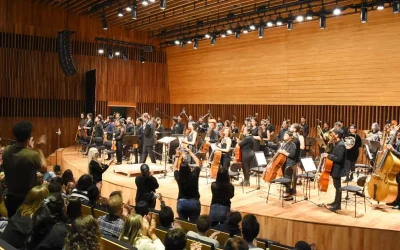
{"x":284,"y":128}
{"x":338,"y":157}
{"x":234,"y":128}
{"x":288,"y":148}
{"x":375,"y":134}
{"x":108,"y":127}
{"x":212,"y":131}
{"x":190,"y":138}
{"x":225,"y":148}
{"x":395,"y":149}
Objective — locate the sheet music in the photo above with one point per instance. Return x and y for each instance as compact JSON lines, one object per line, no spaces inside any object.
{"x":308,"y":164}
{"x":213,"y":146}
{"x":260,"y":157}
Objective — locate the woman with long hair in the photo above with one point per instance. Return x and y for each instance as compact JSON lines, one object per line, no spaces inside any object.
{"x":222,"y":193}
{"x":49,"y":228}
{"x":256,"y":131}
{"x":190,"y":138}
{"x":68,"y":182}
{"x":74,"y":209}
{"x":20,"y":224}
{"x":146,"y":186}
{"x":188,"y":206}
{"x":96,"y":168}
{"x":225,"y":148}
{"x":139,"y":232}
{"x":84,"y":234}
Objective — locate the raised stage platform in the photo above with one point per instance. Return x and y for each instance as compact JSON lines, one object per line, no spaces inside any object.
{"x":378,"y":228}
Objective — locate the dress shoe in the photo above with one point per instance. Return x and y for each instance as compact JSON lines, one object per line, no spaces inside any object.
{"x":285,"y":195}
{"x":246,"y":183}
{"x":396,"y":207}
{"x":331,"y":204}
{"x":289,"y":198}
{"x":392,"y":204}
{"x":335,"y":208}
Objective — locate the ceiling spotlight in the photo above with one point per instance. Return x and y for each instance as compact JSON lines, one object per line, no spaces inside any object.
{"x":337,"y":11}
{"x":322,"y":21}
{"x":279,"y":21}
{"x":177,"y":42}
{"x":117,"y":53}
{"x":142,"y":59}
{"x":134,"y":12}
{"x":290,"y":22}
{"x":309,"y":15}
{"x":129,"y":6}
{"x":246,"y":29}
{"x":396,"y":7}
{"x":153,"y":1}
{"x":120,"y":13}
{"x":163,"y":4}
{"x":110,"y":53}
{"x":300,"y":18}
{"x":364,"y":13}
{"x":380,"y":4}
{"x":229,"y":31}
{"x":145,"y":2}
{"x":104,"y":22}
{"x":270,"y":23}
{"x":101,"y":50}
{"x":253,"y":26}
{"x":213,"y":40}
{"x":189,"y":40}
{"x":207,"y":35}
{"x":196,"y":43}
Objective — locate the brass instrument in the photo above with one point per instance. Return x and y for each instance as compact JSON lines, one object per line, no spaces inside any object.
{"x":349,"y":142}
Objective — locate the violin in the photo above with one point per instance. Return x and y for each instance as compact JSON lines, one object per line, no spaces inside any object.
{"x":114,"y":143}
{"x":206,"y":145}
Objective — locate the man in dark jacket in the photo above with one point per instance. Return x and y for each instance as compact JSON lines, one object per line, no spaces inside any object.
{"x":338,"y":157}
{"x":148,"y":139}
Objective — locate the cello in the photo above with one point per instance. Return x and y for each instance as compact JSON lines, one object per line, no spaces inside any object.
{"x":382,"y":185}
{"x":215,"y":164}
{"x":274,"y":167}
{"x":325,"y":165}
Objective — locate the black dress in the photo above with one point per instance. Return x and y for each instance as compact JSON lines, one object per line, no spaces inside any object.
{"x":225,"y":157}
{"x":159,"y":146}
{"x":247,"y":149}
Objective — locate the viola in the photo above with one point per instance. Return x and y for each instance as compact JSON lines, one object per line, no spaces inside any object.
{"x":114,"y":143}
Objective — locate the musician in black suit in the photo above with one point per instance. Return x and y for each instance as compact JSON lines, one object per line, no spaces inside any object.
{"x":305,"y":126}
{"x":148,"y":139}
{"x":139,"y":132}
{"x":202,"y":126}
{"x":284,"y":128}
{"x":339,"y":158}
{"x":352,"y":153}
{"x":396,"y":151}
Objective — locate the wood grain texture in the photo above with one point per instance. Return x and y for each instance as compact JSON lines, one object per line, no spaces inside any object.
{"x":375,"y":229}
{"x":348,"y":63}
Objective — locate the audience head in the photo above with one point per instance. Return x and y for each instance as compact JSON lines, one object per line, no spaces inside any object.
{"x":67,"y":177}
{"x":236,"y":244}
{"x":84,"y":234}
{"x":23,"y":131}
{"x":55,"y":185}
{"x":131,"y":229}
{"x":84,"y":182}
{"x":203,"y":223}
{"x":250,"y":227}
{"x":74,"y":208}
{"x":115,"y":205}
{"x":166,"y":217}
{"x":175,"y":239}
{"x":302,"y":245}
{"x":142,"y":208}
{"x":33,"y":200}
{"x":57,"y":170}
{"x":145,"y":170}
{"x":223,"y":176}
{"x":234,"y":218}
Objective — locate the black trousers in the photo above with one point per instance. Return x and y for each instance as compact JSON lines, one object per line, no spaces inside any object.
{"x":289,"y":172}
{"x":12,"y":204}
{"x":147,"y":150}
{"x":397,"y":201}
{"x":352,"y":169}
{"x":159,"y":150}
{"x":337,"y":183}
{"x":247,"y":161}
{"x":225,"y":161}
{"x":119,"y":151}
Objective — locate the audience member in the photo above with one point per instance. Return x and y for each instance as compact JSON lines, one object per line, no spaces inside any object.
{"x":47,"y":177}
{"x":236,"y":244}
{"x":86,"y":190}
{"x":222,"y":193}
{"x":302,"y":245}
{"x":74,"y":209}
{"x":188,"y":182}
{"x":142,"y":208}
{"x":20,"y":164}
{"x":203,"y":225}
{"x":139,"y":233}
{"x":55,"y":185}
{"x":231,"y":225}
{"x":112,"y":223}
{"x":20,"y":224}
{"x":166,"y":216}
{"x":175,"y":239}
{"x":68,"y":182}
{"x":49,"y":229}
{"x":84,"y":234}
{"x":250,"y":230}
{"x":146,"y":186}
{"x":96,"y":168}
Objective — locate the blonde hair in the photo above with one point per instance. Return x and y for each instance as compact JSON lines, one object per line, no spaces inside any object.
{"x":92,"y":154}
{"x":33,"y":200}
{"x":132,"y":229}
{"x":114,"y":204}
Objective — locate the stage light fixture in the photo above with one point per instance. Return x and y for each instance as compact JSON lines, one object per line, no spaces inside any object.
{"x":300,"y":18}
{"x":223,"y":33}
{"x":253,"y":26}
{"x":229,"y":31}
{"x":145,"y":2}
{"x":290,"y":22}
{"x":380,"y":4}
{"x":309,"y":15}
{"x":163,"y":4}
{"x":213,"y":40}
{"x":120,"y":13}
{"x":134,"y":12}
{"x":196,"y":43}
{"x":142,"y":59}
{"x":128,"y":6}
{"x":117,"y":53}
{"x":337,"y":11}
{"x":322,"y":21}
{"x":110,"y":53}
{"x":207,"y":35}
{"x":279,"y":21}
{"x":189,"y":40}
{"x":270,"y":23}
{"x":153,"y":1}
{"x":104,"y":22}
{"x":101,"y":49}
{"x":177,"y":42}
{"x":396,"y":6}
{"x":364,"y":13}
{"x":246,"y":29}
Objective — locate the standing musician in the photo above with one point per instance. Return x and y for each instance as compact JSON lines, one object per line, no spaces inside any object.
{"x":338,"y":157}
{"x":375,"y":134}
{"x":256,"y":131}
{"x":119,"y":133}
{"x":82,"y":124}
{"x":101,"y":120}
{"x":176,"y":129}
{"x":326,"y":127}
{"x":148,"y":139}
{"x":190,"y":139}
{"x":212,"y":131}
{"x":270,"y":127}
{"x":225,"y":148}
{"x":117,"y":116}
{"x":288,"y":148}
{"x":344,"y":129}
{"x":108,"y":127}
{"x":202,"y":126}
{"x":139,"y":132}
{"x":395,"y":149}
{"x":89,"y":125}
{"x":266,"y":136}
{"x":98,"y":131}
{"x":284,"y":128}
{"x":190,"y":118}
{"x":247,"y":151}
{"x":298,"y":140}
{"x":181,"y":125}
{"x":129,"y":130}
{"x":352,"y":153}
{"x":159,"y":134}
{"x":234,"y":128}
{"x":304,"y":125}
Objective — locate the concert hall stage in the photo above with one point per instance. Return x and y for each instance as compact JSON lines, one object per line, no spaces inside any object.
{"x":378,"y":228}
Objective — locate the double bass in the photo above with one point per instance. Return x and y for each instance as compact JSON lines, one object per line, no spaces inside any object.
{"x":382,"y":185}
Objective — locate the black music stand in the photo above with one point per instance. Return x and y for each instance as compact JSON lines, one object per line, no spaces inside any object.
{"x":129,"y":141}
{"x":261,"y":164}
{"x":371,"y":150}
{"x":166,"y":141}
{"x":310,"y":169}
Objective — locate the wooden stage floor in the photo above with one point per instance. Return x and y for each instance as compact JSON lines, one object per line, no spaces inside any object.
{"x":378,"y":228}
